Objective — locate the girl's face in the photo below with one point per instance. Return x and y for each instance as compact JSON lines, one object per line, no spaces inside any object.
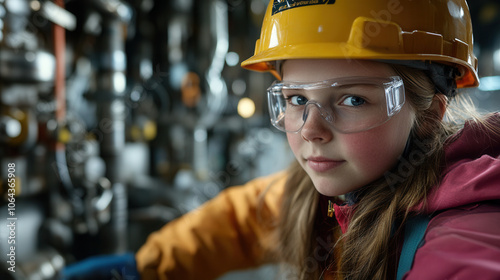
{"x":339,"y":163}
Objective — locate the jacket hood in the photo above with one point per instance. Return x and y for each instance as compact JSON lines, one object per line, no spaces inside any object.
{"x":472,"y":171}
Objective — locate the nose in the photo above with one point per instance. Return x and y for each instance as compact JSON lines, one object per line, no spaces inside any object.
{"x":316,"y":128}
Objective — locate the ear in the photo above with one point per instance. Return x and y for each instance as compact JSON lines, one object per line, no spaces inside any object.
{"x":439,"y":104}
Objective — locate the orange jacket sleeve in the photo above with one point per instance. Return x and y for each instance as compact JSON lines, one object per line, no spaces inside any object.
{"x":226,"y":233}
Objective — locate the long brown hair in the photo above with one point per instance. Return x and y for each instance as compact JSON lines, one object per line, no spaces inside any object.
{"x":363,"y":252}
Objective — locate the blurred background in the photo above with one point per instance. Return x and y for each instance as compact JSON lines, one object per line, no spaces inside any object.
{"x":121,"y":115}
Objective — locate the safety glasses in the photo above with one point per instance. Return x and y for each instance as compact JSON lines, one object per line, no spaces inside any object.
{"x":349,"y":105}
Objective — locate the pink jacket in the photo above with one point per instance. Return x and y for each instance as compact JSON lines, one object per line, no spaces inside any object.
{"x":462,"y":240}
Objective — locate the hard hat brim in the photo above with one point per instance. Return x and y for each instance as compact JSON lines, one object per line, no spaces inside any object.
{"x":264,"y":60}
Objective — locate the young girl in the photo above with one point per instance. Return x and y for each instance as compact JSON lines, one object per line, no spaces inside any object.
{"x":382,"y":187}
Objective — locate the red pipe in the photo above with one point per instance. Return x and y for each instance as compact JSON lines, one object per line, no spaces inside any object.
{"x":60,"y":75}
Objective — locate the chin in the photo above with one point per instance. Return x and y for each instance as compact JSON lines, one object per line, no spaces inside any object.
{"x":332,"y":187}
{"x":328,"y":189}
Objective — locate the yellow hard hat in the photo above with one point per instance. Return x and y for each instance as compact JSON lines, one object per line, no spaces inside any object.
{"x":435,"y":31}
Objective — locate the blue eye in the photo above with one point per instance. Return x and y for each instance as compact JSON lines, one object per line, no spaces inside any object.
{"x":353,"y":101}
{"x":298,"y":100}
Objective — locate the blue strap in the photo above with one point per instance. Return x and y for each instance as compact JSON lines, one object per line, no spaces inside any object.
{"x":102,"y":267}
{"x":414,"y":233}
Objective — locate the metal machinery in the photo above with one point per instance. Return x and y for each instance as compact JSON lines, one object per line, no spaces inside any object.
{"x":118,"y":116}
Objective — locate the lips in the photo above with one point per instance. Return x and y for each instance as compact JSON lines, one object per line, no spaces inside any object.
{"x":322,"y":164}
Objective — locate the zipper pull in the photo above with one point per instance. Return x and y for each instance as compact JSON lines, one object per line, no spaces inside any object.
{"x":331,"y":210}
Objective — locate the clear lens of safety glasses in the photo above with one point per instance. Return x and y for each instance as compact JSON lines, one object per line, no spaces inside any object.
{"x":351,"y":104}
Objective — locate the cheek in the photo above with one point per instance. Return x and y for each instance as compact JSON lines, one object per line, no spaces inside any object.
{"x":376,"y":151}
{"x":294,"y":140}
{"x":370,"y":148}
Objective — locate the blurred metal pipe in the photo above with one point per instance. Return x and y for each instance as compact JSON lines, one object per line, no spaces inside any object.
{"x":217,"y":95}
{"x":59,"y":37}
{"x":111,"y":85}
{"x":115,"y":8}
